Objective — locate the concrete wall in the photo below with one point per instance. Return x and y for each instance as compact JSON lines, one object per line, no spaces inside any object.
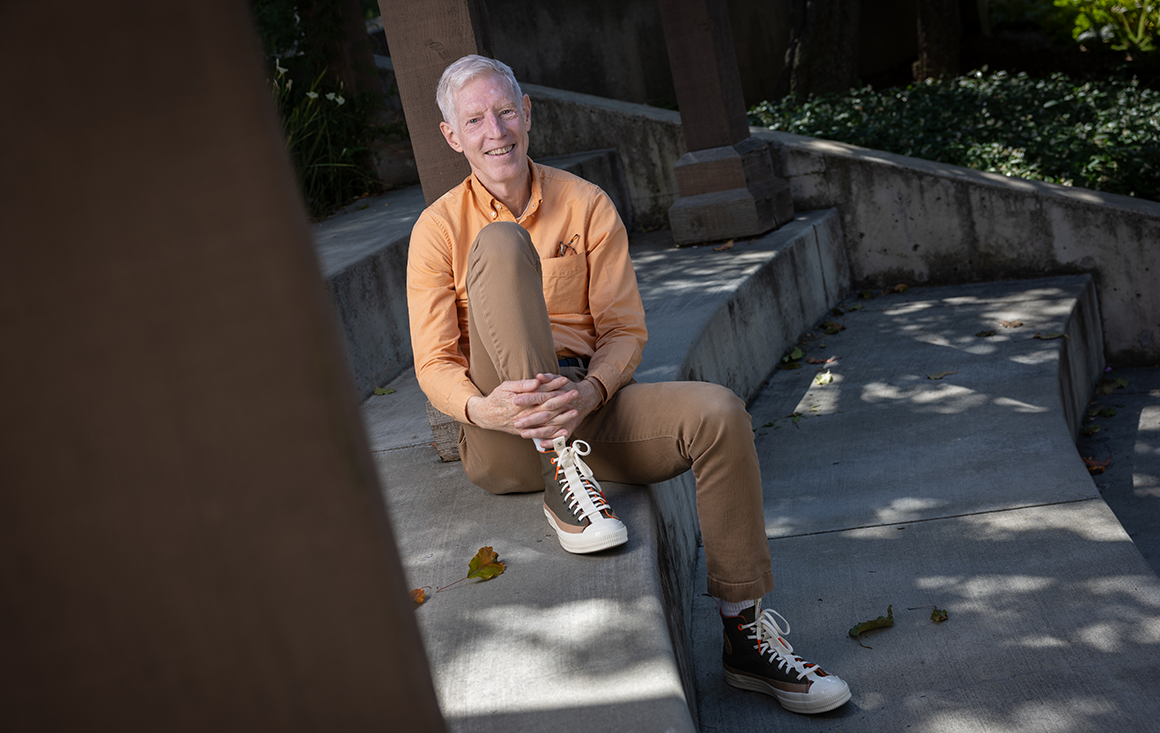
{"x":905,"y":219}
{"x":649,"y":142}
{"x":910,"y":220}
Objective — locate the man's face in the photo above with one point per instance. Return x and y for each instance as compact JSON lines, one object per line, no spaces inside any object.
{"x":491,"y":129}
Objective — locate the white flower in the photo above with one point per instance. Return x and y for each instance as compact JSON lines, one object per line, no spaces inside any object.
{"x":278,"y":67}
{"x":340,"y":100}
{"x":312,"y":95}
{"x":330,"y":96}
{"x":289,"y":84}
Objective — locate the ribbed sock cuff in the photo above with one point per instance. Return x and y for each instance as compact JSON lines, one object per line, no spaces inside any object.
{"x":729,"y":608}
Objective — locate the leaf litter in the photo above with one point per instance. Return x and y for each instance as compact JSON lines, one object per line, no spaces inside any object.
{"x":485,"y":565}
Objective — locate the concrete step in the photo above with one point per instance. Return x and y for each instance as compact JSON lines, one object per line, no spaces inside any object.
{"x":565,"y":642}
{"x":934,"y":466}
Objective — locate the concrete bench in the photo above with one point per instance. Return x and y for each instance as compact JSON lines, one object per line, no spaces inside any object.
{"x":566,"y":642}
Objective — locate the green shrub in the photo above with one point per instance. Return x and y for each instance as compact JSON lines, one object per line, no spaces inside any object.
{"x":1104,"y":136}
{"x":328,"y":130}
{"x":326,"y":142}
{"x":1127,"y":25}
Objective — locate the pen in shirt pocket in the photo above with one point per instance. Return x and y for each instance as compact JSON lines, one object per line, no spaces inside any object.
{"x":565,"y":248}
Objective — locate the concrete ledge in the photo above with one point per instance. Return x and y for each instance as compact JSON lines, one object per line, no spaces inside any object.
{"x":918,"y":221}
{"x":907,"y":219}
{"x":727,"y":317}
{"x":513,"y":651}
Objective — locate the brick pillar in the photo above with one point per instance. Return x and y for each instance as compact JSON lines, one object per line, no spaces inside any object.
{"x":425,"y":37}
{"x":726,"y":181}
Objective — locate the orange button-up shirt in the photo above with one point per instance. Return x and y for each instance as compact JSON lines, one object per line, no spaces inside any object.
{"x":590,"y":288}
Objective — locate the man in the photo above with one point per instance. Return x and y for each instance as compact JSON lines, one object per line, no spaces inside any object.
{"x":527,"y":325}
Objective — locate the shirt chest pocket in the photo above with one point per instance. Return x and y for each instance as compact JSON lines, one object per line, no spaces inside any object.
{"x":566,"y":283}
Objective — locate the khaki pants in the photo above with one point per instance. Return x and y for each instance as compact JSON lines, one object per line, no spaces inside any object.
{"x":646,"y":433}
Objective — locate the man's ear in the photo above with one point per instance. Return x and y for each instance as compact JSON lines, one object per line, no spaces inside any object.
{"x":527,"y":105}
{"x":450,"y":136}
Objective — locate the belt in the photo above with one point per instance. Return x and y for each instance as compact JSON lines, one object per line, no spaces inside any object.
{"x":574,"y":361}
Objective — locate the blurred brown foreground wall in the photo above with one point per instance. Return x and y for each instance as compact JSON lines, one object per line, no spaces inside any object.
{"x":192,"y":537}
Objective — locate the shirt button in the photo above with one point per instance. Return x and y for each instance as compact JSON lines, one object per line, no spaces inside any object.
{"x":493,"y":215}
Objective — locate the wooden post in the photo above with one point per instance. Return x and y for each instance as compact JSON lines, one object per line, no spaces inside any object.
{"x":425,"y":37}
{"x":192,"y":535}
{"x":726,"y":180}
{"x":939,"y":36}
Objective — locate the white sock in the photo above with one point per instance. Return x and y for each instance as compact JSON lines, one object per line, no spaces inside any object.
{"x":536,"y":442}
{"x":729,"y":608}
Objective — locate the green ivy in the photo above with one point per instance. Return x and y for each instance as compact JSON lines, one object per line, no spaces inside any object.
{"x":1103,"y":136}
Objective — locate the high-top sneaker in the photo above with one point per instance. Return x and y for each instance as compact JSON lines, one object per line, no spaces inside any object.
{"x":574,"y":504}
{"x":757,"y":658}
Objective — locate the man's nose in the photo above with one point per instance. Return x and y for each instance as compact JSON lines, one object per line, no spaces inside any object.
{"x":492,"y":121}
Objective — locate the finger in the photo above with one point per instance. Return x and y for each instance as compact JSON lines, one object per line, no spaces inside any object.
{"x":543,"y":418}
{"x":521,"y":385}
{"x":556,"y":383}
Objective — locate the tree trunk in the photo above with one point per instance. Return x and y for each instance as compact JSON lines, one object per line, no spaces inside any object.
{"x":823,"y":47}
{"x":939,"y":30}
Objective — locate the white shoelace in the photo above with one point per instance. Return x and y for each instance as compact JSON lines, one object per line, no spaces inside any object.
{"x":768,"y":635}
{"x":587,"y":500}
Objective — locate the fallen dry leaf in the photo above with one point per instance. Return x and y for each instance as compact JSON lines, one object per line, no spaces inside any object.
{"x":1107,"y":386}
{"x":484,"y":566}
{"x":1095,"y":467}
{"x":1010,"y":324}
{"x":383,"y":391}
{"x":940,"y":375}
{"x":1049,"y":336}
{"x":723,"y":247}
{"x":418,"y":595}
{"x":881,"y":622}
{"x":824,"y":378}
{"x":812,"y":360}
{"x":832,"y":327}
{"x":985,"y":334}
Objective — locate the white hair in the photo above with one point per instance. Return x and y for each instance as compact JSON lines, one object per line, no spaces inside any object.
{"x":459,"y":74}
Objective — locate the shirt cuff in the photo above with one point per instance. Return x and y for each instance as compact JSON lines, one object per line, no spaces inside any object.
{"x":458,"y":398}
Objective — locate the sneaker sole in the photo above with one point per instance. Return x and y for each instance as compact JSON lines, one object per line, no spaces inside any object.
{"x":584,"y":542}
{"x":796,"y":702}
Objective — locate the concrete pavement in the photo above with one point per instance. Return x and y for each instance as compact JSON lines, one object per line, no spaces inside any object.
{"x":965,"y":492}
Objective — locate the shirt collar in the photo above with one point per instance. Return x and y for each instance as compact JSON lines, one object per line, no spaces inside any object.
{"x":489,"y":203}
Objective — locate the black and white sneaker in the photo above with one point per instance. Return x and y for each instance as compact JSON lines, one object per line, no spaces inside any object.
{"x":757,"y":658}
{"x":575,"y":505}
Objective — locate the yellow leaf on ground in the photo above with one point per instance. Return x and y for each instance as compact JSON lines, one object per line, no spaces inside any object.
{"x":418,"y":595}
{"x":485,"y":565}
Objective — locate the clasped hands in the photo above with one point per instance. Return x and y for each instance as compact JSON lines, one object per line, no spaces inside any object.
{"x":547,"y":407}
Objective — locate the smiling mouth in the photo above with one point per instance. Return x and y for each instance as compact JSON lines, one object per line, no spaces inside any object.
{"x":502,"y":151}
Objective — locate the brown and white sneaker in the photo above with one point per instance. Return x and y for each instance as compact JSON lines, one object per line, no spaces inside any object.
{"x":758,"y":658}
{"x":574,"y":504}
